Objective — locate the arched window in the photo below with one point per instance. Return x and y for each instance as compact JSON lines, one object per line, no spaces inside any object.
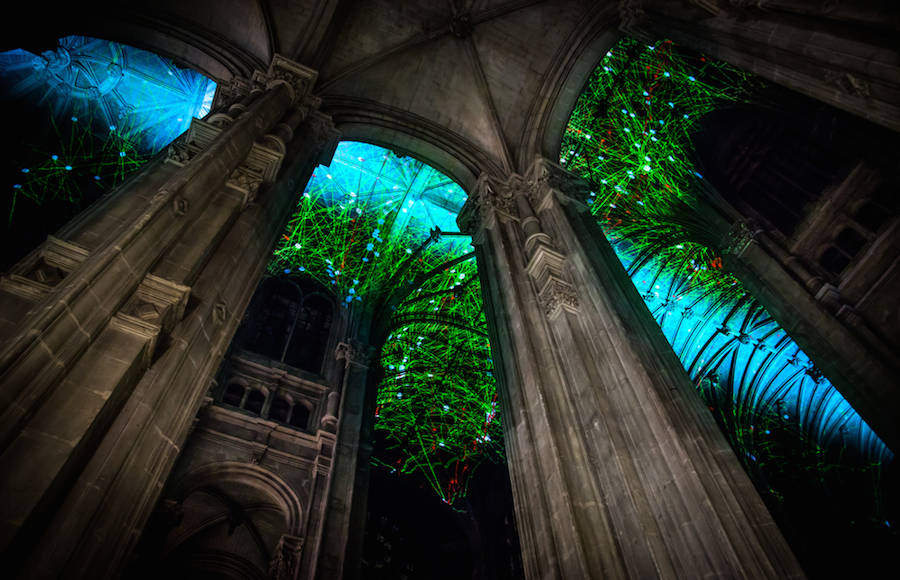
{"x":280,"y":409}
{"x":306,"y":349}
{"x":254,"y":402}
{"x":234,"y":394}
{"x":300,"y":416}
{"x":288,"y":321}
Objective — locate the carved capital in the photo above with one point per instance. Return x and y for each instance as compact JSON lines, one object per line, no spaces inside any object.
{"x":228,"y":92}
{"x":489,"y":197}
{"x":298,"y":78}
{"x":178,"y":153}
{"x":548,"y":179}
{"x":322,"y":129}
{"x":739,"y":238}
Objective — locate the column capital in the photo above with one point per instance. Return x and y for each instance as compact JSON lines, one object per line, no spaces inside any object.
{"x":492,"y":195}
{"x":298,"y":78}
{"x":548,"y":179}
{"x":353,"y":352}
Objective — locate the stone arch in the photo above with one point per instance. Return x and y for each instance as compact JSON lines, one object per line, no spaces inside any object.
{"x":252,"y":475}
{"x":219,"y":50}
{"x":572,"y":67}
{"x":446,"y":151}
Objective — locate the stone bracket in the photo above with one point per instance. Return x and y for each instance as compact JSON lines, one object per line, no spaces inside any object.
{"x":46,"y":268}
{"x":157,"y":302}
{"x":261,"y":160}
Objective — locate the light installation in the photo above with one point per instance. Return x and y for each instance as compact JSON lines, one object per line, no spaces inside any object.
{"x":630,"y":137}
{"x":110,"y":108}
{"x":379,"y":230}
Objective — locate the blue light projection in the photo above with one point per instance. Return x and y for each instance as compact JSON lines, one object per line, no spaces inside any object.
{"x":141,"y":96}
{"x":742,"y":362}
{"x":371,"y":222}
{"x":726,"y":339}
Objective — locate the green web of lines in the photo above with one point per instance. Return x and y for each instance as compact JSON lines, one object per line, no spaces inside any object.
{"x":81,"y":165}
{"x":630,"y":137}
{"x":379,"y":230}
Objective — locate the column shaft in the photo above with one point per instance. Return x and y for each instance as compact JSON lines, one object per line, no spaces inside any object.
{"x":618,"y":470}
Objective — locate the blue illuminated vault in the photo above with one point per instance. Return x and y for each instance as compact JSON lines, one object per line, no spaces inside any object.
{"x":119,"y":89}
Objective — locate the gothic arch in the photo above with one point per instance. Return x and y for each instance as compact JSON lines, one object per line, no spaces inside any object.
{"x":446,"y":151}
{"x":251,"y":475}
{"x":564,"y":83}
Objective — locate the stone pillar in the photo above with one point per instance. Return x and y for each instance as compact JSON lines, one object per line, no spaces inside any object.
{"x":108,"y":368}
{"x":842,"y":53}
{"x":862,"y":365}
{"x":341,"y":548}
{"x":617,"y":468}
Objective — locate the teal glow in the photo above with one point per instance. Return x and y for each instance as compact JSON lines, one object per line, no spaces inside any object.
{"x":379,"y":230}
{"x":143,"y":97}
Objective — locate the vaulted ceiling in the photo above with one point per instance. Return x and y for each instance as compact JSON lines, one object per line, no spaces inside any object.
{"x":483,"y":78}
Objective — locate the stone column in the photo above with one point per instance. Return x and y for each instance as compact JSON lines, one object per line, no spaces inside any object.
{"x":842,"y":53}
{"x":340,"y":553}
{"x":109,"y":367}
{"x":845,"y":348}
{"x":617,"y":468}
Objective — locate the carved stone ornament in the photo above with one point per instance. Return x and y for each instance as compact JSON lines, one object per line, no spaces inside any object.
{"x":489,"y":197}
{"x":220,"y":313}
{"x":633,"y":19}
{"x":178,"y":153}
{"x":547,"y":177}
{"x":298,"y":78}
{"x":285,"y":563}
{"x":247,"y":182}
{"x":558,"y":295}
{"x":738,"y":238}
{"x":848,"y":83}
{"x":322,"y":129}
{"x":352,"y":352}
